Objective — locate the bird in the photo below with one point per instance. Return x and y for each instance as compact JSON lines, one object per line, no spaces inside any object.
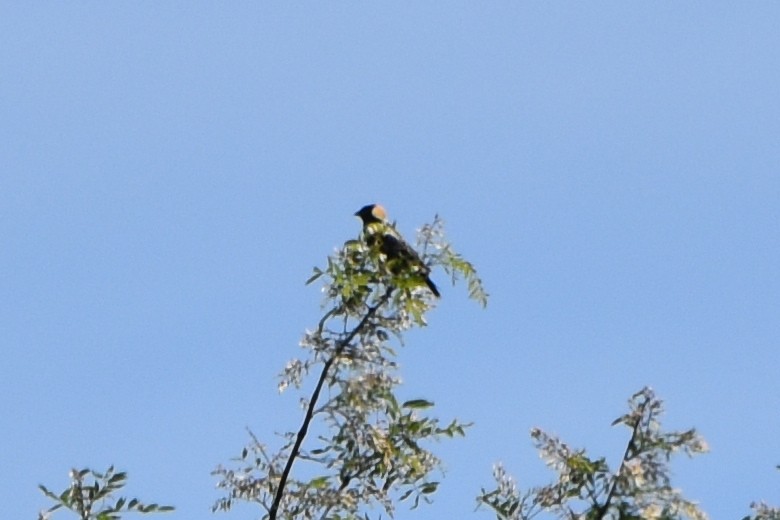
{"x":391,"y":244}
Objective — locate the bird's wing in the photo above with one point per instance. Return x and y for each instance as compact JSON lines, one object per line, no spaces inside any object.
{"x":395,"y":247}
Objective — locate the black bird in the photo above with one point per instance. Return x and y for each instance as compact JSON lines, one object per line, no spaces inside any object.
{"x":392,"y":245}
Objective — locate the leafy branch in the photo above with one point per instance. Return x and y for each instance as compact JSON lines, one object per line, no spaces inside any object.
{"x":91,"y":496}
{"x":295,"y":452}
{"x":587,"y":488}
{"x":368,"y":445}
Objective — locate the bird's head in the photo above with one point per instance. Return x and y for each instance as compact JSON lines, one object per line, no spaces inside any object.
{"x":371,"y":214}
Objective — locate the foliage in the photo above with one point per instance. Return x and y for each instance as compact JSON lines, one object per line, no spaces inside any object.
{"x":369,"y":448}
{"x":431,"y":236}
{"x":586,"y":487}
{"x":91,"y":495}
{"x":762,"y":511}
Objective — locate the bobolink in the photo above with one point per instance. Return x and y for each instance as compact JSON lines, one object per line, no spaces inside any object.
{"x":397,"y":251}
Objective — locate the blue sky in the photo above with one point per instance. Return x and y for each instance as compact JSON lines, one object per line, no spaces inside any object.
{"x":171,"y":172}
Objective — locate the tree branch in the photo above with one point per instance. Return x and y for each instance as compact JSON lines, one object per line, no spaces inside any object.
{"x":315,"y":396}
{"x":629,"y":447}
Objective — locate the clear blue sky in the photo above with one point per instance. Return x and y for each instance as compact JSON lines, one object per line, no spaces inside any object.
{"x":170,"y":172}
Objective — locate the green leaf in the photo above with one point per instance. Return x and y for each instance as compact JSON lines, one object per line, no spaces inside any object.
{"x":119,"y":477}
{"x":418,"y":404}
{"x":429,"y":487}
{"x":317,"y":273}
{"x":319,"y":482}
{"x":48,"y":493}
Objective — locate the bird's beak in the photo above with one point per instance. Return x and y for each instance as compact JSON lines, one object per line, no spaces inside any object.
{"x":357,"y":213}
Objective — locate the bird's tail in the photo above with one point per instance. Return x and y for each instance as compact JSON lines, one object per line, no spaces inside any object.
{"x":432,"y":287}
